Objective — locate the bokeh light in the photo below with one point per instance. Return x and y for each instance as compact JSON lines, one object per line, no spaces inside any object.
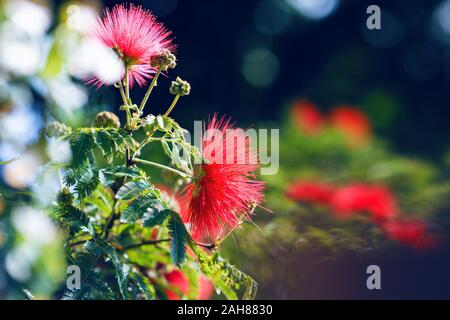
{"x":260,"y":67}
{"x":314,"y":9}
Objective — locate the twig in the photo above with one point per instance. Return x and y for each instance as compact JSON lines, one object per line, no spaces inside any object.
{"x":144,"y":243}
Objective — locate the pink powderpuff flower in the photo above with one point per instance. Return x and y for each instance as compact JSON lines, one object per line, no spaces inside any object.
{"x":224,"y":190}
{"x":378,"y":201}
{"x":136,"y":37}
{"x":310,"y":191}
{"x":410,"y":232}
{"x":307,"y":117}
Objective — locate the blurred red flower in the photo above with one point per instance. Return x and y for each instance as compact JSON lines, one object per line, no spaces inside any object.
{"x":224,"y":190}
{"x":378,"y":201}
{"x":205,"y":289}
{"x":178,"y":280}
{"x":310,"y":191}
{"x":307,"y":117}
{"x":136,"y":36}
{"x":353,"y":123}
{"x":411,"y":232}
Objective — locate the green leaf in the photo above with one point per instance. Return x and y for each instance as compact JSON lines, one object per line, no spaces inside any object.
{"x":144,"y":286}
{"x":154,"y":217}
{"x":76,"y":219}
{"x":179,"y":238}
{"x":132,"y":189}
{"x":106,"y":144}
{"x":122,"y":272}
{"x":84,"y":178}
{"x":94,"y":247}
{"x":109,"y":175}
{"x":225,"y":276}
{"x":139,"y":206}
{"x":82,"y":143}
{"x":101,"y":199}
{"x":160,"y":122}
{"x":226,"y":289}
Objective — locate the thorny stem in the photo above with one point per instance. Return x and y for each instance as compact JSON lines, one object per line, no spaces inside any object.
{"x":150,"y":89}
{"x":174,"y":102}
{"x":161,"y":166}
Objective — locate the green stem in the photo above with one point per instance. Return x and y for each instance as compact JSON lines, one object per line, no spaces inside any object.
{"x":174,"y":102}
{"x":125,"y":101}
{"x":161,"y":166}
{"x":150,"y":89}
{"x":127,"y":84}
{"x":122,"y":93}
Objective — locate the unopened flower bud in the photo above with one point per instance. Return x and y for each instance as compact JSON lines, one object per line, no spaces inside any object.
{"x":56,"y":129}
{"x":65,"y":197}
{"x":180,"y":87}
{"x":164,"y":60}
{"x":106,"y":119}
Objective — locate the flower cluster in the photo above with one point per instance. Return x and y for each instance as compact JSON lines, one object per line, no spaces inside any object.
{"x":146,"y":241}
{"x":350,"y":121}
{"x":377,"y":201}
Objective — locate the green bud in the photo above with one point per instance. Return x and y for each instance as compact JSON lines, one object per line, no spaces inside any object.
{"x":56,"y":129}
{"x":65,"y":197}
{"x":164,"y":60}
{"x":180,"y":87}
{"x":106,"y":119}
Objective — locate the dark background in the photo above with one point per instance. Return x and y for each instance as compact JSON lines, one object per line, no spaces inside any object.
{"x":399,"y":75}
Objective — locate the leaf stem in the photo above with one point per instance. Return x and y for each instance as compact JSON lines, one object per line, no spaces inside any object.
{"x":150,"y":89}
{"x":163,"y":167}
{"x":174,"y":102}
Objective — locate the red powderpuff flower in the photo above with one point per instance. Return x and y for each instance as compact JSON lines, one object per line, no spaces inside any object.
{"x":410,"y":232}
{"x":177,"y":280}
{"x":136,"y":36}
{"x":310,"y":191}
{"x":382,"y":204}
{"x":224,"y":190}
{"x":307,"y":117}
{"x":378,"y":201}
{"x":353,"y":123}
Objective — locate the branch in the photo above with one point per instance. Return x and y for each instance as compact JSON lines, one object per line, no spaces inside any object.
{"x":144,"y":243}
